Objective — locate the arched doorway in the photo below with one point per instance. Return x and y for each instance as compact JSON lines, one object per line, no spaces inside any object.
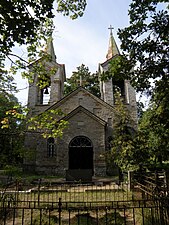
{"x":81,"y":153}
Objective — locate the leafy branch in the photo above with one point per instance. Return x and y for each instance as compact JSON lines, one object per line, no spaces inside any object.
{"x":46,"y":123}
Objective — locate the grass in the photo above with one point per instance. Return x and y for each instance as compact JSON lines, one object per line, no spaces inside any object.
{"x":82,"y":195}
{"x":148,"y":216}
{"x":74,"y":218}
{"x":82,"y":217}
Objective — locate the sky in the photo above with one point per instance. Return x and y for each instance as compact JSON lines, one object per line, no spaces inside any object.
{"x":84,"y":40}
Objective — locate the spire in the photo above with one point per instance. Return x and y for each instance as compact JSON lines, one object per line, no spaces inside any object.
{"x":50,"y":49}
{"x":112,"y":49}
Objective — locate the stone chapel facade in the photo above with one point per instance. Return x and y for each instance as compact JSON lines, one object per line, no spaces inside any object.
{"x":84,"y":142}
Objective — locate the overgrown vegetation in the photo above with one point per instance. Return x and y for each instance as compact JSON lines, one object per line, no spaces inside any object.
{"x":144,"y":61}
{"x":11,"y":139}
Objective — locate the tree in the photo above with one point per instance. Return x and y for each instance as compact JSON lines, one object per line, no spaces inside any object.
{"x":125,"y":150}
{"x":11,"y":140}
{"x":145,"y":43}
{"x":136,"y":148}
{"x":156,"y":137}
{"x":144,"y":61}
{"x":30,"y":23}
{"x":24,"y":22}
{"x":84,"y":78}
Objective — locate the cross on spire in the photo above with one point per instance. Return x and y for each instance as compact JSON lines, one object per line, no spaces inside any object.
{"x":111,"y":28}
{"x":112,"y":48}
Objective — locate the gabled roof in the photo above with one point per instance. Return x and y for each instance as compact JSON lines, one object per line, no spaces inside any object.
{"x":87,"y":112}
{"x":73,"y":93}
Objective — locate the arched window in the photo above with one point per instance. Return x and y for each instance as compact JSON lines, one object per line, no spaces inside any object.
{"x":80,"y":141}
{"x":51,"y":147}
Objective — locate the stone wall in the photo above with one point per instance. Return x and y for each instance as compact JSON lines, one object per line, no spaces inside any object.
{"x":80,"y":124}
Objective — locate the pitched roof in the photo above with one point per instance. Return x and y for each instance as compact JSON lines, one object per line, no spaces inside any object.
{"x":87,"y":112}
{"x":73,"y":93}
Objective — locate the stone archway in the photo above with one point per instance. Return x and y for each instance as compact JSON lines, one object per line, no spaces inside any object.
{"x":80,"y":158}
{"x":80,"y":153}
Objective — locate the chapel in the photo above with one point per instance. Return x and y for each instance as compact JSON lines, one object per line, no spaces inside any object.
{"x":80,"y":153}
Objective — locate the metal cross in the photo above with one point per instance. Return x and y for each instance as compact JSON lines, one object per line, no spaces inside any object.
{"x":111,"y":28}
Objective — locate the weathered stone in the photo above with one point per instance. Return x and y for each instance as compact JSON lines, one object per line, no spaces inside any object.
{"x":90,"y":118}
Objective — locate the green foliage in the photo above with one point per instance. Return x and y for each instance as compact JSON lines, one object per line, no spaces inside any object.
{"x":123,"y":145}
{"x":118,"y":69}
{"x":44,"y":219}
{"x":48,"y":124}
{"x":11,"y":170}
{"x":21,"y":21}
{"x":7,"y":84}
{"x":144,"y":61}
{"x":24,"y":22}
{"x":156,"y":137}
{"x":145,"y":147}
{"x":42,"y":69}
{"x":145,"y":42}
{"x":74,"y":8}
{"x":30,"y":23}
{"x":140,"y":109}
{"x":89,"y":81}
{"x":11,"y":137}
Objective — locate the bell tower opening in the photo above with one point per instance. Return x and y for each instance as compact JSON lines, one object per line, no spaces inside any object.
{"x":48,"y":79}
{"x":44,"y":95}
{"x":119,"y":86}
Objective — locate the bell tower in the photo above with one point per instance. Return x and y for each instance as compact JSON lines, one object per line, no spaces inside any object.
{"x":46,"y":69}
{"x":107,"y":86}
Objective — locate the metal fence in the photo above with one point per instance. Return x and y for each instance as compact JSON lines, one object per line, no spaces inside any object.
{"x":80,"y":204}
{"x":116,"y":213}
{"x":85,"y":193}
{"x":153,"y":184}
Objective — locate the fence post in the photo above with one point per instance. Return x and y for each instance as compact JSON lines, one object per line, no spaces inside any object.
{"x":60,"y":210}
{"x":167,"y":180}
{"x":16,"y":193}
{"x":39,"y":184}
{"x":166,"y":173}
{"x":130,"y":180}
